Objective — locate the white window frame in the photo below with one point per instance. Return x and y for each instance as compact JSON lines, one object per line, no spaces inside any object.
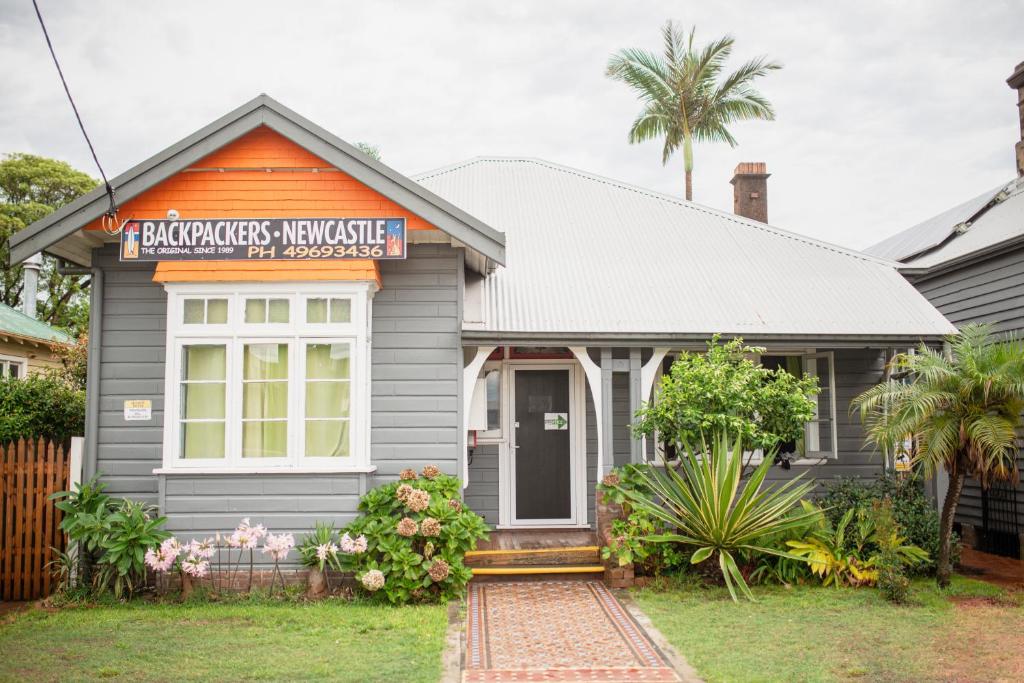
{"x":297,"y":333}
{"x":6,"y":361}
{"x":492,"y":436}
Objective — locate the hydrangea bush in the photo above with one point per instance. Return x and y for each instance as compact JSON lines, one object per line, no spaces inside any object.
{"x":417,"y":533}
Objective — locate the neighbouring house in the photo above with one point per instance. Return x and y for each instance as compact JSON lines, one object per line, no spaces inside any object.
{"x":284,"y":322}
{"x":969,"y":262}
{"x":26,"y":344}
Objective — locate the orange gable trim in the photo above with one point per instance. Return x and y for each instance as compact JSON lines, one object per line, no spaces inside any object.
{"x":233,"y":182}
{"x":268,"y":271}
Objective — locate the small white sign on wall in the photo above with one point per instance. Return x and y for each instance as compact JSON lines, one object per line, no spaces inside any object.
{"x":138,"y":409}
{"x":556,"y":421}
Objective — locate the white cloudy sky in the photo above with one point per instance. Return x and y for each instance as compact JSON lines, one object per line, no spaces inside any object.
{"x":886,"y":112}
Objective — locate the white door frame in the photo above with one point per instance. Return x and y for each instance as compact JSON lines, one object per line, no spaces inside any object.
{"x":577,"y":448}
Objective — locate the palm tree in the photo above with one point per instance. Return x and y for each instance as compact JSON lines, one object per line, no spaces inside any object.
{"x":683,"y":98}
{"x":962,"y":408}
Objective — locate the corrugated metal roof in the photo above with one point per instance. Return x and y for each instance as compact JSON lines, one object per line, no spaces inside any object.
{"x":587,"y":254}
{"x":13,"y":321}
{"x":1003,"y":220}
{"x":932,"y":232}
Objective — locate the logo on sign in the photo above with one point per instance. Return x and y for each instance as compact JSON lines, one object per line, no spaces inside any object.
{"x":130,"y":242}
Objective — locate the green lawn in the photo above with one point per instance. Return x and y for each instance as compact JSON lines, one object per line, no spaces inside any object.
{"x":973,"y":632}
{"x":233,"y":642}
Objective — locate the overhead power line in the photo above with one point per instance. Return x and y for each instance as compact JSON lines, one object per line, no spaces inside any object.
{"x":110,"y":190}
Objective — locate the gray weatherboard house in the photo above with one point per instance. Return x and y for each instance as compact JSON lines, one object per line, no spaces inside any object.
{"x":969,"y":262}
{"x":535,"y":309}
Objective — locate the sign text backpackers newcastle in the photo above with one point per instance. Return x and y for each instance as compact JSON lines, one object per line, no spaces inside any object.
{"x":263,"y":239}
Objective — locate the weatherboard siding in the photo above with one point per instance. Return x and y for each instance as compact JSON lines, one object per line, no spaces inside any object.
{"x":415,"y":365}
{"x":988,"y":291}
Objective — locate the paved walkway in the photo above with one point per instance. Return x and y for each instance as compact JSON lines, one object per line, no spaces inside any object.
{"x":556,"y":631}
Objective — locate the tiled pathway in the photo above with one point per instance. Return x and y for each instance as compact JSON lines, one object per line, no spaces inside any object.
{"x":556,"y":631}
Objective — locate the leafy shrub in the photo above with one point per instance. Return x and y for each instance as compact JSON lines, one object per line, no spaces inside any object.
{"x":892,"y":558}
{"x":417,"y":533}
{"x":111,"y":535}
{"x":628,"y":543}
{"x":724,"y":392}
{"x":702,"y":507}
{"x":40,"y":405}
{"x":913,"y":511}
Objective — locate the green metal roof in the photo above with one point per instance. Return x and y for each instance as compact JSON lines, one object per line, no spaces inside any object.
{"x":13,"y":321}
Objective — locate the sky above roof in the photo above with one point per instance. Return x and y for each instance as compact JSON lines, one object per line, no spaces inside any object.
{"x":886,"y":113}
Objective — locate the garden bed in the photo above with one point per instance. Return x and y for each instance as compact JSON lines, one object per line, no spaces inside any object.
{"x":810,"y":633}
{"x":247,"y":639}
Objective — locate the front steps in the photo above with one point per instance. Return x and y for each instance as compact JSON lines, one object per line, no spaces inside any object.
{"x":537,"y":557}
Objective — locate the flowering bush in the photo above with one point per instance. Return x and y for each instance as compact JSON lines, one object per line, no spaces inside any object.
{"x":416,"y":532}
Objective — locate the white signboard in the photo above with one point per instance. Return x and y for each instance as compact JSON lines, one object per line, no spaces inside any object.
{"x":138,"y":409}
{"x":556,"y":421}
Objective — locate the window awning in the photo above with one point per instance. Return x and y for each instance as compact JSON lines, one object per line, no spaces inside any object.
{"x":267,"y":271}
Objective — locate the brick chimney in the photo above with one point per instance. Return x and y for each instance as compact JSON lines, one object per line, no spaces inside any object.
{"x":1016,"y":81}
{"x":750,"y":190}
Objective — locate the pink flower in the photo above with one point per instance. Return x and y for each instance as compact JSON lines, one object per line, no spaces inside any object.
{"x":162,"y":559}
{"x":430,"y":527}
{"x":402,"y":492}
{"x":407,"y":474}
{"x":407,"y":527}
{"x":373,"y":580}
{"x":195,"y":566}
{"x":418,"y":500}
{"x":278,"y":546}
{"x":204,"y":549}
{"x":438,"y":570}
{"x":324,"y":550}
{"x":353,"y":546}
{"x":431,"y":471}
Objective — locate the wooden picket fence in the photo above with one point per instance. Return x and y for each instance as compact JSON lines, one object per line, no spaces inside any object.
{"x":30,"y":470}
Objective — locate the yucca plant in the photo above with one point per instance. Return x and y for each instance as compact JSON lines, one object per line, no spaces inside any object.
{"x":704,"y":506}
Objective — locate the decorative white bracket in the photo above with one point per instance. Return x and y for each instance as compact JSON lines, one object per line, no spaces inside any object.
{"x":470,"y":373}
{"x":593,"y":373}
{"x":647,"y":374}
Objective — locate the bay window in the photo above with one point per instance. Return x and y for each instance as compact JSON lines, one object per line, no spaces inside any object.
{"x":267,"y":376}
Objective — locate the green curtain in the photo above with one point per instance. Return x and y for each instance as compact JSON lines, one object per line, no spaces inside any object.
{"x":203,"y":386}
{"x":265,"y":400}
{"x":328,"y":368}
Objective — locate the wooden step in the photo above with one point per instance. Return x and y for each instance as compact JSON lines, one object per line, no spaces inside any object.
{"x":564,"y":571}
{"x":534,"y":557}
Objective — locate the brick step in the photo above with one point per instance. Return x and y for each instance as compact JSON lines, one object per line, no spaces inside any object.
{"x":539,"y":573}
{"x":535,"y":557}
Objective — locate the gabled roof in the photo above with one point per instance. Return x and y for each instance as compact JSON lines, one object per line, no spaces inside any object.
{"x":592,"y":256}
{"x":262,"y":111}
{"x":976,"y":227}
{"x":16,"y":323}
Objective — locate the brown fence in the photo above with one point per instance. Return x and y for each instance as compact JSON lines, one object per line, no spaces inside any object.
{"x":29,"y":522}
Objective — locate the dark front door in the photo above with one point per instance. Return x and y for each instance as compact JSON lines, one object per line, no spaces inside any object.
{"x":543,"y":462}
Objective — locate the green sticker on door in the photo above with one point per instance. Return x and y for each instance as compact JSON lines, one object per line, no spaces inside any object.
{"x":556,"y":421}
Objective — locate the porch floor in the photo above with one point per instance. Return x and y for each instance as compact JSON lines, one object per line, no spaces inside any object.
{"x":533,"y":539}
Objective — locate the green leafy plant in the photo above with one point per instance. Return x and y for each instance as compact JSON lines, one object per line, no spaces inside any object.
{"x":323,"y":535}
{"x":131,"y":531}
{"x":894,"y":554}
{"x":703,"y":506}
{"x":417,"y":532}
{"x":628,"y":539}
{"x":724,"y":391}
{"x":913,"y":511}
{"x":86,"y":511}
{"x":40,"y":405}
{"x":785,"y":570}
{"x":963,"y":410}
{"x":832,"y":555}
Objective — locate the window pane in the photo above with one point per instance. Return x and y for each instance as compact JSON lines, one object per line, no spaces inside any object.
{"x":202,"y":401}
{"x":255,"y":310}
{"x":341,"y":310}
{"x":265,"y":361}
{"x":493,"y":385}
{"x":203,"y":362}
{"x":265,"y":439}
{"x":327,"y":399}
{"x":261,"y":400}
{"x":327,"y":438}
{"x":216,"y":311}
{"x":327,"y":361}
{"x":193,"y":311}
{"x":316,"y":310}
{"x":13,"y":370}
{"x":278,"y":311}
{"x":202,"y":440}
